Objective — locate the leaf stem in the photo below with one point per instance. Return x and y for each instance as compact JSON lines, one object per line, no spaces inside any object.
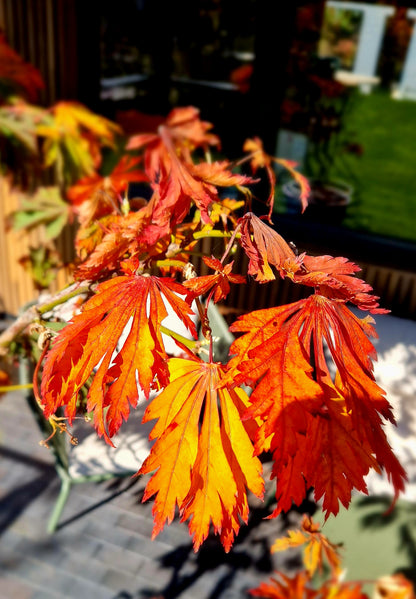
{"x":169,"y":262}
{"x":7,"y":388}
{"x":230,"y":243}
{"x":189,"y":343}
{"x":211,"y":233}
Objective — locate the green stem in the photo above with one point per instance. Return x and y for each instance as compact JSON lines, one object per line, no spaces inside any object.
{"x":62,"y":297}
{"x":211,"y":233}
{"x":189,"y":343}
{"x":7,"y":388}
{"x":33,"y":312}
{"x":169,"y":262}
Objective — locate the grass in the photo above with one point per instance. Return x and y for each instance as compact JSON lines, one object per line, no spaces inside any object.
{"x":385,"y":174}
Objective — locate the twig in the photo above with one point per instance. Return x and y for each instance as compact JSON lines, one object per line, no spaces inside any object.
{"x":32,"y":314}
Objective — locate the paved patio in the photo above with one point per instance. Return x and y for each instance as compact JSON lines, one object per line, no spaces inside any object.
{"x":102,"y":548}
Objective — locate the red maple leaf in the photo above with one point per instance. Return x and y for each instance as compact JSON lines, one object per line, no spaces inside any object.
{"x":203,"y":455}
{"x":94,"y":187}
{"x":334,"y":278}
{"x":220,"y":281}
{"x":325,"y":430}
{"x":18,"y":74}
{"x":265,"y":247}
{"x":89,"y":343}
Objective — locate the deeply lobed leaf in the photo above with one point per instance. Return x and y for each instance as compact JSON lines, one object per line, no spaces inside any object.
{"x":300,"y":587}
{"x":89,"y":343}
{"x":203,"y":455}
{"x":325,"y":431}
{"x":264,"y":247}
{"x":317,"y":545}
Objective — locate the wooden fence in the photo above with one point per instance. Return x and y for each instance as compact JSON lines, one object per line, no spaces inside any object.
{"x":61,"y":39}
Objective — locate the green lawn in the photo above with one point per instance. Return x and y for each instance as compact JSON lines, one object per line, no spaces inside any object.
{"x":385,"y":198}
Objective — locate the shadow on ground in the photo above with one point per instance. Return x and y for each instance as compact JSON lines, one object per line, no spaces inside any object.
{"x":251,"y":552}
{"x":14,"y":503}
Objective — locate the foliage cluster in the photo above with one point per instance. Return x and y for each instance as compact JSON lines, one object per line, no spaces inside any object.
{"x":314,"y":407}
{"x":321,"y":556}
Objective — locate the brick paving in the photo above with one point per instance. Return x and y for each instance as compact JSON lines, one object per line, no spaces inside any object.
{"x":102,"y":548}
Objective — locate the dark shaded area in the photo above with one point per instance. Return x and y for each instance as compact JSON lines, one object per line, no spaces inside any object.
{"x":309,"y":233}
{"x":14,"y":503}
{"x":95,"y":506}
{"x":230,"y":62}
{"x":250,"y":552}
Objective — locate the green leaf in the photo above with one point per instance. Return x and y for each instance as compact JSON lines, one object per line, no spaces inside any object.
{"x":22,"y":131}
{"x":46,"y":207}
{"x":41,"y":263}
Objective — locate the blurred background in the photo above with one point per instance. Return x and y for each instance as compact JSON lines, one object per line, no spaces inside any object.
{"x":330,"y":85}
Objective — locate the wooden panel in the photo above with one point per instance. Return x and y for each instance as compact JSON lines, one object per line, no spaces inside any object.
{"x":44,"y":33}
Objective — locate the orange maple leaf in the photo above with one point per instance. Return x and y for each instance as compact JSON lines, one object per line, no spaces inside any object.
{"x":176,"y":180}
{"x":271,"y":358}
{"x":203,"y":455}
{"x":301,"y":180}
{"x":299,"y":587}
{"x":329,"y":323}
{"x":317,"y":545}
{"x":114,"y":237}
{"x":285,"y":587}
{"x":185,"y":182}
{"x":260,"y":159}
{"x":134,"y":235}
{"x":89,"y":343}
{"x":92,"y":188}
{"x":185,"y":128}
{"x":396,"y":586}
{"x":220,"y":281}
{"x":326,"y":430}
{"x":265,"y":247}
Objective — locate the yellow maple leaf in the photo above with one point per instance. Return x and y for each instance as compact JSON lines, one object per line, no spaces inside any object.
{"x":316,"y":544}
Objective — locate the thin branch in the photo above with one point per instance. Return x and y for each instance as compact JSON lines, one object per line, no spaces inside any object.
{"x":32,"y":314}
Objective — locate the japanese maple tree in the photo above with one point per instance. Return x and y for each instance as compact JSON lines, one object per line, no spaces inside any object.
{"x":299,"y":380}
